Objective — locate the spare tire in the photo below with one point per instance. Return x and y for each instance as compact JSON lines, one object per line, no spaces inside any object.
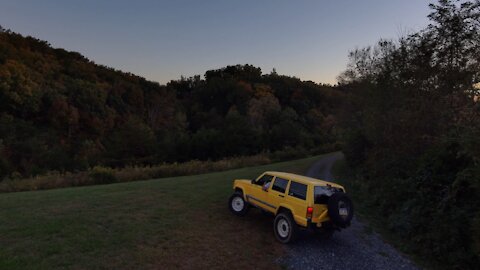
{"x":340,"y":209}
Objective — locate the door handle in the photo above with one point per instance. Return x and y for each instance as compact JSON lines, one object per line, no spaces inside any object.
{"x":281,"y":195}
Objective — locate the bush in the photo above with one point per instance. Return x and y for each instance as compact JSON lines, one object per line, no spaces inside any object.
{"x":355,"y":148}
{"x":102,"y":175}
{"x":476,"y":233}
{"x":289,"y":153}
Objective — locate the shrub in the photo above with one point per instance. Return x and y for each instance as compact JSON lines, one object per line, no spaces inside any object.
{"x":102,"y":175}
{"x":289,"y":153}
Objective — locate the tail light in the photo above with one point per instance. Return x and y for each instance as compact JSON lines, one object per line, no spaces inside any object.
{"x":309,"y":212}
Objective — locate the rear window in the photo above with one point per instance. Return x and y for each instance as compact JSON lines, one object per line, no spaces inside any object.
{"x":280,"y":185}
{"x":298,"y":190}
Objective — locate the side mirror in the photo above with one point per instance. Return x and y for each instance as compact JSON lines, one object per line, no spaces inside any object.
{"x":265,"y":187}
{"x":253,"y":181}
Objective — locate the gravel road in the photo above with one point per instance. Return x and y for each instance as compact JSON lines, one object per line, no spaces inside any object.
{"x":356,"y":247}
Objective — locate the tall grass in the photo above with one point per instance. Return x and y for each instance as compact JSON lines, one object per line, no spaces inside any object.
{"x":104,"y":175}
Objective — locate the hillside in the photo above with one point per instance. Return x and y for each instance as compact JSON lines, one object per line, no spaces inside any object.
{"x":60,"y":111}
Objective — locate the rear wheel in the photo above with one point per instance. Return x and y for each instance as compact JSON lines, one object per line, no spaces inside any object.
{"x":237,"y":204}
{"x":285,"y":228}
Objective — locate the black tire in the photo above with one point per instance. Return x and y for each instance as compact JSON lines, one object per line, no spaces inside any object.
{"x":237,"y":204}
{"x":337,"y":202}
{"x":285,"y":228}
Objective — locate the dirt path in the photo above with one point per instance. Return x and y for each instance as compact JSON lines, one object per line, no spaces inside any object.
{"x":357,"y":247}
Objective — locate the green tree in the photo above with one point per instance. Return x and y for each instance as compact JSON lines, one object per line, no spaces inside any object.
{"x":410,"y":134}
{"x":132,"y":142}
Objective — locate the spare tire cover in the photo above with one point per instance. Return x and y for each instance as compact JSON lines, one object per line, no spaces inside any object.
{"x":340,"y":209}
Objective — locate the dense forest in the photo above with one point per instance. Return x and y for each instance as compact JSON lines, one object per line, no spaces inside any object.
{"x":412,"y":134}
{"x":60,"y":111}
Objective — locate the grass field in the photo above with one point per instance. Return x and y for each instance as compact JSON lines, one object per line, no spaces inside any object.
{"x":180,"y":222}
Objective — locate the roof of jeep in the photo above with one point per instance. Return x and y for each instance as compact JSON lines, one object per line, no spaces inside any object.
{"x":303,"y":179}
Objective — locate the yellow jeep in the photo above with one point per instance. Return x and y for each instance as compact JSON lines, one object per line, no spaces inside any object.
{"x":296,"y":201}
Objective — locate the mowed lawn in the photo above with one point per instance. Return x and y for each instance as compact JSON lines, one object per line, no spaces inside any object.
{"x":180,"y":222}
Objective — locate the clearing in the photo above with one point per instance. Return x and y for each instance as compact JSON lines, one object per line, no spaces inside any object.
{"x":180,"y":222}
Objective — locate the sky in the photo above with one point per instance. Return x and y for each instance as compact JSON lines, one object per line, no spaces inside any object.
{"x":164,"y":40}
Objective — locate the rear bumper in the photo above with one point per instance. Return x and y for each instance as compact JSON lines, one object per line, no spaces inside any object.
{"x":311,"y":226}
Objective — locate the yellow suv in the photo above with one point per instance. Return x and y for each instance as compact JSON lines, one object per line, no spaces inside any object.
{"x":296,"y":201}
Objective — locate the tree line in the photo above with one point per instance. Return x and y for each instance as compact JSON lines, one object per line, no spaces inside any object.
{"x":60,"y":111}
{"x":412,"y":130}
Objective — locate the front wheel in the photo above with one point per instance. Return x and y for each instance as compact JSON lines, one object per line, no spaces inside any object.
{"x":237,"y":204}
{"x":285,"y":228}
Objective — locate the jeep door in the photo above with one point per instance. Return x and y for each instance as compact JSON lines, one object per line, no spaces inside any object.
{"x":297,"y":200}
{"x":258,"y":194}
{"x":276,"y":192}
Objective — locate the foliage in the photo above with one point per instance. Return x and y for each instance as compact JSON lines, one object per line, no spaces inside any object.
{"x":412,"y":127}
{"x":102,"y":175}
{"x":60,"y":111}
{"x":105,"y":175}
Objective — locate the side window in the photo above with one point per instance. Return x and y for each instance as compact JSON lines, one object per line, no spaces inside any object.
{"x":298,"y":190}
{"x":280,"y":185}
{"x":264,"y":179}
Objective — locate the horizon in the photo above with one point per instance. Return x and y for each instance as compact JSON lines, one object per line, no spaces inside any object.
{"x":165,"y":41}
